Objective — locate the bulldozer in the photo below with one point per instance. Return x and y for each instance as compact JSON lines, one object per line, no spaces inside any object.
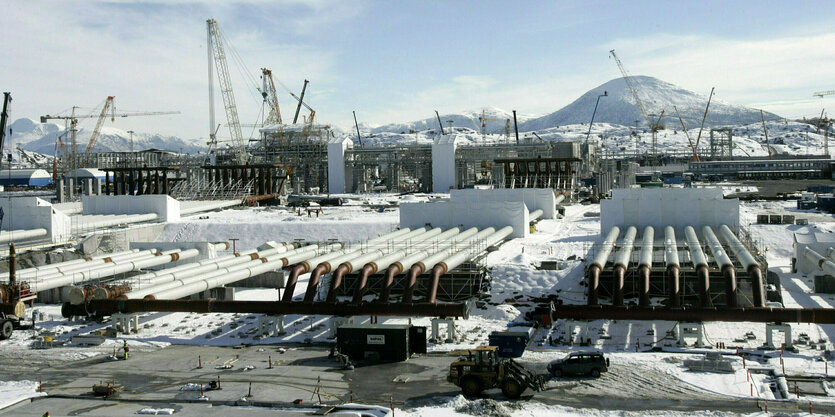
{"x":482,"y":369}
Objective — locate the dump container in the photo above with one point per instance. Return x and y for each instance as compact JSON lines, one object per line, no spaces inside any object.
{"x":801,"y":222}
{"x":775,"y":219}
{"x":762,"y":218}
{"x":788,"y":219}
{"x":384,"y":342}
{"x":511,"y":344}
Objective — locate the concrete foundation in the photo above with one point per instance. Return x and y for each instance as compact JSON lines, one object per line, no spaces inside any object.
{"x":770,"y":328}
{"x":436,"y":335}
{"x":125,"y":323}
{"x":685,"y":330}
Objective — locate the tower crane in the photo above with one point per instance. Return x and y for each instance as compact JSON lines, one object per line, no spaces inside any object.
{"x":217,"y":54}
{"x":638,"y":102}
{"x":484,"y":119}
{"x":823,"y":93}
{"x":270,"y":98}
{"x":108,"y":106}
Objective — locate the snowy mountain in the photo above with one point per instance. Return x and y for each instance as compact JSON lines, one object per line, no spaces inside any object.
{"x":494,"y":120}
{"x":40,"y":137}
{"x":619,"y":107}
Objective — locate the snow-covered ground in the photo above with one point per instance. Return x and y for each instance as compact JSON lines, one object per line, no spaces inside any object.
{"x":13,"y":392}
{"x":514,"y":281}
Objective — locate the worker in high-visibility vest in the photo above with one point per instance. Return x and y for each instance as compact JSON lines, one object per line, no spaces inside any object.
{"x":125,"y":347}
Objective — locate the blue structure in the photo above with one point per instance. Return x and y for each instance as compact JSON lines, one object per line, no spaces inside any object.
{"x":511,"y":344}
{"x":25,"y":178}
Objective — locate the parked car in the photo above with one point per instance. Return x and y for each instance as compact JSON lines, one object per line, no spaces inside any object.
{"x":579,"y":363}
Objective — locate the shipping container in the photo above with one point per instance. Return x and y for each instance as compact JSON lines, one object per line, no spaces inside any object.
{"x":383,"y":342}
{"x":762,"y":218}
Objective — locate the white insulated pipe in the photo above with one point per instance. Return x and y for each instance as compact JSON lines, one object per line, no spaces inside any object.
{"x":209,"y":206}
{"x":606,"y":248}
{"x":559,"y":199}
{"x":400,"y":254}
{"x":626,"y":246}
{"x":353,"y":250}
{"x":697,"y":255}
{"x":465,"y":244}
{"x":742,"y":254}
{"x":464,"y":255}
{"x":50,"y":267}
{"x":92,"y":265}
{"x":122,"y":219}
{"x":377,"y":253}
{"x":646,"y":247}
{"x":830,"y":253}
{"x":671,"y":247}
{"x":21,"y":234}
{"x":535,"y":215}
{"x":232,"y":274}
{"x":351,"y":256}
{"x":443,"y":245}
{"x":128,"y":266}
{"x":823,"y":263}
{"x":719,"y":256}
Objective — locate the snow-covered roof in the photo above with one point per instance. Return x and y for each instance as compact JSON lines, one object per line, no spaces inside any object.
{"x":25,"y":173}
{"x":814,"y":237}
{"x":447,"y":139}
{"x":86,"y":173}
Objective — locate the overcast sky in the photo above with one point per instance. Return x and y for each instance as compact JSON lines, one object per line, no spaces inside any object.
{"x":397,"y":61}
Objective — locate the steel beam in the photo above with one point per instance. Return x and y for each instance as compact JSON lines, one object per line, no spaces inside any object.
{"x":752,"y":314}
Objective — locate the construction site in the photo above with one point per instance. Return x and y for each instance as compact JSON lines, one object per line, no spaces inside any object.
{"x":576,"y":269}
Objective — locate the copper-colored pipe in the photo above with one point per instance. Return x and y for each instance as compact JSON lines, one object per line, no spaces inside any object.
{"x":367,"y":270}
{"x":437,"y":272}
{"x":704,"y":285}
{"x":336,"y":282}
{"x":291,"y":282}
{"x":108,"y":292}
{"x":594,"y":283}
{"x":109,"y":307}
{"x":756,"y":275}
{"x":644,"y":271}
{"x":730,"y":285}
{"x":414,"y":272}
{"x":393,"y":271}
{"x":313,"y":282}
{"x":617,"y":285}
{"x":674,"y":284}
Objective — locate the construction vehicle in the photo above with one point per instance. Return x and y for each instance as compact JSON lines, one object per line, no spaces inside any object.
{"x":13,"y":295}
{"x":482,"y":369}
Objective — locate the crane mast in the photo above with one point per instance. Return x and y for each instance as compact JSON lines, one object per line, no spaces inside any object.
{"x":108,"y":105}
{"x":268,"y":92}
{"x":215,"y":45}
{"x":631,"y":88}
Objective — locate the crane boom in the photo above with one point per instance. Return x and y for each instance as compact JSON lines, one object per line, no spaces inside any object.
{"x":824,"y":93}
{"x":268,"y":92}
{"x":631,"y":88}
{"x":108,"y":105}
{"x":215,"y":45}
{"x":301,"y":101}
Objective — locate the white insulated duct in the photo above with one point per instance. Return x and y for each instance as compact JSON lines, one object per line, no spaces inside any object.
{"x":93,"y":265}
{"x":443,"y":245}
{"x":381,"y":251}
{"x":671,"y":247}
{"x":606,"y":248}
{"x":461,"y":245}
{"x":21,"y":234}
{"x":56,"y":266}
{"x":84,"y":224}
{"x":535,"y":215}
{"x":559,"y":199}
{"x":823,"y":263}
{"x":435,"y":239}
{"x":626,"y":246}
{"x":208,"y":206}
{"x":697,"y":255}
{"x":745,"y":258}
{"x":716,"y":249}
{"x":116,"y":268}
{"x":646,"y":247}
{"x":464,"y":255}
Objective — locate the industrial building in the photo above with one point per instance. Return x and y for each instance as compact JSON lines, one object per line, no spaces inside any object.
{"x":25,"y":178}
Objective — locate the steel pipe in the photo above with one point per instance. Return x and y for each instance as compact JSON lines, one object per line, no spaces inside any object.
{"x":534,"y":215}
{"x":96,"y":265}
{"x":21,"y":234}
{"x":673,"y":270}
{"x":50,"y":267}
{"x":621,"y":263}
{"x":599,"y":262}
{"x":749,"y":262}
{"x":110,"y":307}
{"x":750,"y":314}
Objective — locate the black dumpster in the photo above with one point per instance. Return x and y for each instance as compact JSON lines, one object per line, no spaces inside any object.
{"x":384,"y":342}
{"x":511,"y":344}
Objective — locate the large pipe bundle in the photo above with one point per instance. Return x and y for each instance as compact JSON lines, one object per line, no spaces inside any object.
{"x":751,"y":265}
{"x":697,"y":256}
{"x":621,"y":264}
{"x":326,"y":266}
{"x":724,"y":263}
{"x":599,"y":262}
{"x":405,"y":264}
{"x":459,"y":258}
{"x":750,"y":314}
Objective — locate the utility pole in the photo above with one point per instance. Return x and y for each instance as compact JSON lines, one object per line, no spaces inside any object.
{"x":515,"y":127}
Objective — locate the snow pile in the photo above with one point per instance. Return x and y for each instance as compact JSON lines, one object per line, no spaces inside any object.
{"x":156,"y":411}
{"x":502,"y":312}
{"x":192,"y":387}
{"x":12,"y":392}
